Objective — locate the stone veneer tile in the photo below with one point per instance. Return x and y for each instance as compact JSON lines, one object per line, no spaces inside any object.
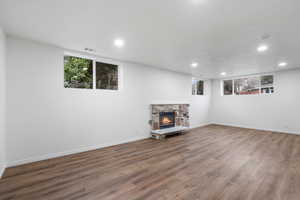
{"x":181,"y":114}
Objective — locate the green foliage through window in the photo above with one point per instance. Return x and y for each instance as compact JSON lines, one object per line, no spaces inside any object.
{"x":78,"y":72}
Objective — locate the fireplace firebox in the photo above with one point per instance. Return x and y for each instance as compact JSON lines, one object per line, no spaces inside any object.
{"x":166,"y":119}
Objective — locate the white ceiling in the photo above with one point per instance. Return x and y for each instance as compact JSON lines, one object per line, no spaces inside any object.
{"x":221,"y":35}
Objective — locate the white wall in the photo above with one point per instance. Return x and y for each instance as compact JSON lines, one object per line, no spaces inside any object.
{"x":2,"y":101}
{"x":46,"y":120}
{"x":201,"y":106}
{"x":278,"y":112}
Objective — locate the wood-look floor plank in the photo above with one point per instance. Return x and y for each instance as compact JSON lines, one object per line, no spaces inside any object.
{"x":209,"y":163}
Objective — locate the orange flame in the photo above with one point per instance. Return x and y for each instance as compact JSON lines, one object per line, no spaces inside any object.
{"x":166,"y":120}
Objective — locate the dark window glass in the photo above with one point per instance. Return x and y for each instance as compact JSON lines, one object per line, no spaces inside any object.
{"x":267,"y":84}
{"x":106,"y":76}
{"x":228,"y":87}
{"x":78,"y":72}
{"x":200,"y":88}
{"x":267,"y":80}
{"x":268,"y":90}
{"x":197,"y":87}
{"x":247,"y":86}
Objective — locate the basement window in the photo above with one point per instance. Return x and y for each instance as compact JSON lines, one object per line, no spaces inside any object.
{"x":267,"y":84}
{"x":197,"y":87}
{"x":228,"y":87}
{"x":106,"y":76}
{"x":80,"y":72}
{"x":249,"y":86}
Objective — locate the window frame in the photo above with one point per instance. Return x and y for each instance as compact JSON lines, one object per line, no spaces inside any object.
{"x":259,"y":86}
{"x":196,"y":89}
{"x":260,"y":93}
{"x":81,"y":57}
{"x":102,"y":60}
{"x":222,"y":87}
{"x":250,"y":76}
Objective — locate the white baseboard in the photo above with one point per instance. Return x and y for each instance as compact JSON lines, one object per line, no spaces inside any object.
{"x":65,"y":153}
{"x":258,"y":128}
{"x":2,"y":169}
{"x":200,"y":125}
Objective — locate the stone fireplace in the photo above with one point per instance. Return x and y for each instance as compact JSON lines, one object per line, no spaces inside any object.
{"x":169,"y":115}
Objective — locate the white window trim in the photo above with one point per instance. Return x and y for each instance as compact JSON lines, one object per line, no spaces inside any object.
{"x":250,"y":76}
{"x":102,"y":60}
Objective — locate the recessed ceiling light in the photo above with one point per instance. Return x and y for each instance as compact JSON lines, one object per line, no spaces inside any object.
{"x":223,"y":73}
{"x":282,"y":64}
{"x":262,"y":48}
{"x":119,"y":43}
{"x":194,"y":65}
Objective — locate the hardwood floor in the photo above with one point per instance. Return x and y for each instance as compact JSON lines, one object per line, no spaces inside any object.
{"x":213,"y":162}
